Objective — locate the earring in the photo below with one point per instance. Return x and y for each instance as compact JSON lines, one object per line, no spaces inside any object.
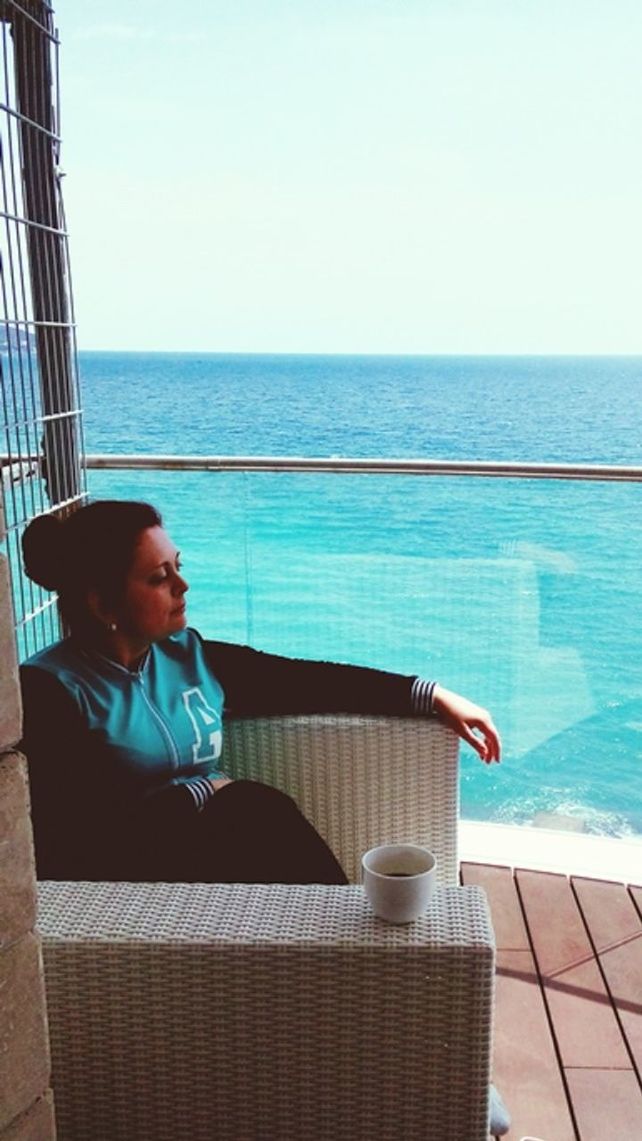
{"x":112,"y":627}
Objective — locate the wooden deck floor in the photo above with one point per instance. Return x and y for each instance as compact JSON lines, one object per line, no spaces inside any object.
{"x":568,"y":1031}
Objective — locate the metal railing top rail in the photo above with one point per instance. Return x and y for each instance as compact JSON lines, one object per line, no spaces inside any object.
{"x":373,"y":465}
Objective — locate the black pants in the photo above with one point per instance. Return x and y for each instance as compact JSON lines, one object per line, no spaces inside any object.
{"x":247,"y":833}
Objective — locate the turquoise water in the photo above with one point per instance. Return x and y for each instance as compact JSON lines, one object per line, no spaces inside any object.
{"x":523,"y":594}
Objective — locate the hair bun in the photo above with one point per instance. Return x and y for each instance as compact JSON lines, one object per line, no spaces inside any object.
{"x":43,"y":551}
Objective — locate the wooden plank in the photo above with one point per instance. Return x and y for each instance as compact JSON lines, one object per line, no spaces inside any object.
{"x":508,"y":921}
{"x":584,"y":1022}
{"x":525,"y":1069}
{"x":616,"y":930}
{"x":608,"y":910}
{"x":607,"y":1104}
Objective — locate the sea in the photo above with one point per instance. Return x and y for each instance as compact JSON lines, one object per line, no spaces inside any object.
{"x":525,"y":595}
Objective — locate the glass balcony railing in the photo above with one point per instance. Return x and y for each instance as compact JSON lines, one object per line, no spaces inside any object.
{"x":524,"y":594}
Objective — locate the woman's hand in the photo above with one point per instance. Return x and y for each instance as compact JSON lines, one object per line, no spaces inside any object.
{"x":472,"y":723}
{"x":219,"y":782}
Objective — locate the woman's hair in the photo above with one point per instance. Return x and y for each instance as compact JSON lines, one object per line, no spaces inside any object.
{"x":91,"y":549}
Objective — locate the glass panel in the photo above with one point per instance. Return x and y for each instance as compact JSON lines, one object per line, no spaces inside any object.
{"x":524,"y":595}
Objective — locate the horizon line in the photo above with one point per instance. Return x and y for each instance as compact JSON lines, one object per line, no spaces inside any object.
{"x":354,"y":353}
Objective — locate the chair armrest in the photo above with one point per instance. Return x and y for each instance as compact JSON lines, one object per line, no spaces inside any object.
{"x":286,"y":1013}
{"x":361,"y":781}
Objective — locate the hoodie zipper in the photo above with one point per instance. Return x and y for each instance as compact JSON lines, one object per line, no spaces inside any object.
{"x":159,"y":721}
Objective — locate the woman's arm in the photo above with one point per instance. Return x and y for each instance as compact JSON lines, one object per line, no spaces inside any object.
{"x":257,"y":683}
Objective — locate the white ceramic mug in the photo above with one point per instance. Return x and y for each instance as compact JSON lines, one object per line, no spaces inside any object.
{"x":399,"y":880}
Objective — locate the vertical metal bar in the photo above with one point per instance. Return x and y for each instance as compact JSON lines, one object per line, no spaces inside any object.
{"x":247,"y":558}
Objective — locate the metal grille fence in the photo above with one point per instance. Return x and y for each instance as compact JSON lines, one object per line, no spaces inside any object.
{"x":42,"y":465}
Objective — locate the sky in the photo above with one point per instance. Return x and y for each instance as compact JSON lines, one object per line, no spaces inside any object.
{"x":354,"y":176}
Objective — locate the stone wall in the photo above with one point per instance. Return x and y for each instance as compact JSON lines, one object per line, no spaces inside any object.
{"x":26,"y":1103}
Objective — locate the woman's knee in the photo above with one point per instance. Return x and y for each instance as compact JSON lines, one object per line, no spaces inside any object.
{"x":252,"y":793}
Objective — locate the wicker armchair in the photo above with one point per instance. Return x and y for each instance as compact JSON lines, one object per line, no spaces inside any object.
{"x":195,"y":1012}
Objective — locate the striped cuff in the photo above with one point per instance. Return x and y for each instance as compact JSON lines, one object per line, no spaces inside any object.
{"x":200,"y":790}
{"x":421,"y":697}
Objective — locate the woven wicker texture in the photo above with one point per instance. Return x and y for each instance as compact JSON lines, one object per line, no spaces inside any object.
{"x":362,"y":781}
{"x":269,"y":1012}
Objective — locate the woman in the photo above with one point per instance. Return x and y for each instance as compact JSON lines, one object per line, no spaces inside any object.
{"x":123,"y":718}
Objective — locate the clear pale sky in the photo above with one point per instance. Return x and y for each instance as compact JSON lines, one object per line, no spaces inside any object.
{"x":386,"y":176}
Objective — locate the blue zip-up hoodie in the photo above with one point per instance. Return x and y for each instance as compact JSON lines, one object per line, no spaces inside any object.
{"x":161,"y":722}
{"x":103,"y":741}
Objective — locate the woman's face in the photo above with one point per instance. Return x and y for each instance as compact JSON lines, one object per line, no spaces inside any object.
{"x":154,"y":603}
